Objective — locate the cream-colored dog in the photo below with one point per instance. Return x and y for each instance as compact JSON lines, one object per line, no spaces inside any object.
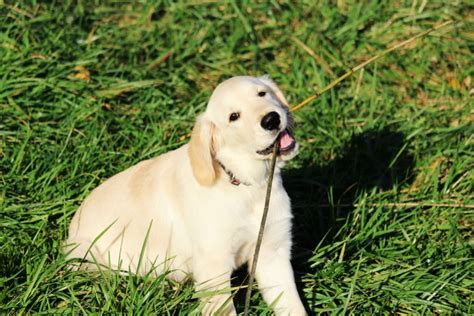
{"x":197,"y":210}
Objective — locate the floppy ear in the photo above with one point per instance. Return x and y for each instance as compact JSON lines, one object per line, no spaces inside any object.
{"x":201,"y":152}
{"x":278,"y":93}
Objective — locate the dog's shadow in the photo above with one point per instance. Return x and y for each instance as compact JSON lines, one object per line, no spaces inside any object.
{"x":323,"y":194}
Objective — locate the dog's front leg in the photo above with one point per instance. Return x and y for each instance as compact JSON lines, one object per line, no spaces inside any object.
{"x":276,"y":281}
{"x":212,"y":276}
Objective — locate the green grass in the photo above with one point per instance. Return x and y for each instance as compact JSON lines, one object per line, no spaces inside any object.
{"x":398,"y":132}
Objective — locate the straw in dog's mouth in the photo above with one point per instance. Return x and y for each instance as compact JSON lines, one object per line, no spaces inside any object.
{"x":286,"y":142}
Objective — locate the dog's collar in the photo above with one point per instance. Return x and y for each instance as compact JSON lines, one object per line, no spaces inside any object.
{"x":233,"y":180}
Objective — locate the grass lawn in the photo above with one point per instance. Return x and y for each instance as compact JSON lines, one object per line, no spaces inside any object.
{"x":382,"y":188}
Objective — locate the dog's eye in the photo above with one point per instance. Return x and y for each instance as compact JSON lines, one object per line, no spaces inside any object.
{"x":262,"y":93}
{"x":234,"y":116}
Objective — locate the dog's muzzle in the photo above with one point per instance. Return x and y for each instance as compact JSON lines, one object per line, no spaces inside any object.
{"x":286,"y":143}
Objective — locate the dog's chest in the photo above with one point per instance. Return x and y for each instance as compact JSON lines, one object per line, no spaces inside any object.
{"x":243,"y":244}
{"x":246,"y":223}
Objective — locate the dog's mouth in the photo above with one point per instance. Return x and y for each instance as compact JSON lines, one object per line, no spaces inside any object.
{"x":286,"y":143}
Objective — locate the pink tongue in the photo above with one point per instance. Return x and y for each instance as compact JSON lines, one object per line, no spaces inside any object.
{"x":286,"y":140}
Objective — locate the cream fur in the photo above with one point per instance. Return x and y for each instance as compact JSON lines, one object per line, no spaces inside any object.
{"x":198,"y":223}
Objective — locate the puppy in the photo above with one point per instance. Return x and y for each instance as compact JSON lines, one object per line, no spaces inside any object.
{"x":197,"y":210}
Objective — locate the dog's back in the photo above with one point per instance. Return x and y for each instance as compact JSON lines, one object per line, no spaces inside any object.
{"x":130,"y":213}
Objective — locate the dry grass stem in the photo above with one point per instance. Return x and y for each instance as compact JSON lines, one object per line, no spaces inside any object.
{"x":367,"y":62}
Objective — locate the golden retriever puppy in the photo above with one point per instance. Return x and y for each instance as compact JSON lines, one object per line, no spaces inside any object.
{"x":196,"y":210}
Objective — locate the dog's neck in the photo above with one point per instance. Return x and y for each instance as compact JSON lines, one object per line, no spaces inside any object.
{"x":245,"y":170}
{"x":232,"y":178}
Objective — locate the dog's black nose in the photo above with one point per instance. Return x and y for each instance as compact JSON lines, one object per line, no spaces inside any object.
{"x":271,"y":121}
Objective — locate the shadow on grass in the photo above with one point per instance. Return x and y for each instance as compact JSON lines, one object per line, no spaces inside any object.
{"x":375,"y":159}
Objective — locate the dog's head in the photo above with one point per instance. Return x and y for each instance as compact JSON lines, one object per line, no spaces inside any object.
{"x":245,"y":117}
